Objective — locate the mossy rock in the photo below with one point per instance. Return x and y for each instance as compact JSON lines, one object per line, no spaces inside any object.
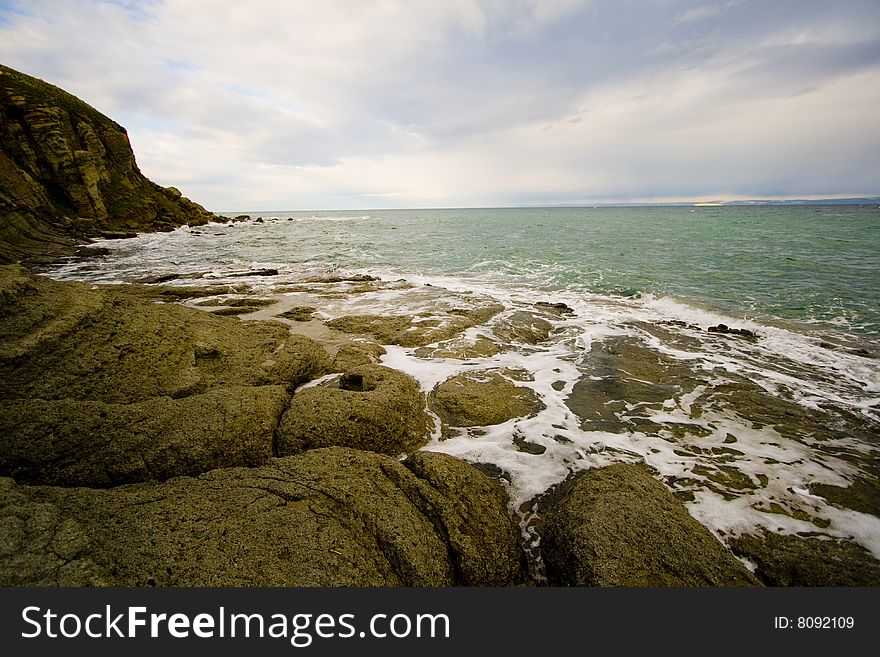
{"x":618,"y":526}
{"x":85,"y":443}
{"x":61,"y":340}
{"x":329,"y":517}
{"x":370,"y":407}
{"x":792,"y":560}
{"x":482,"y":398}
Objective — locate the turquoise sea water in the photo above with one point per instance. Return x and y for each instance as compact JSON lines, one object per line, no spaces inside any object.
{"x":804,"y":263}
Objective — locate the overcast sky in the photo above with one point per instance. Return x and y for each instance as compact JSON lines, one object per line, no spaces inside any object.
{"x":271,"y":105}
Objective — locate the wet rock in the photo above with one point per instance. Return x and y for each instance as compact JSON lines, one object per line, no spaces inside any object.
{"x":618,"y":526}
{"x":351,"y":356}
{"x":726,"y":330}
{"x":255,"y":272}
{"x":555,"y":308}
{"x":404,"y":331}
{"x":480,"y":347}
{"x":523,"y":326}
{"x":791,"y":560}
{"x":619,"y":373}
{"x":863,"y":495}
{"x":355,"y":278}
{"x":482,"y":398}
{"x":86,"y":443}
{"x":331,"y":517}
{"x":369,"y":407}
{"x":299,"y":313}
{"x":251,"y":302}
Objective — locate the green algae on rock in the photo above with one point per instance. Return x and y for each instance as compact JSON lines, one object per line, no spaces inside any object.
{"x":369,"y":407}
{"x":84,"y":443}
{"x":618,"y":526}
{"x":482,"y":398}
{"x":329,"y":517}
{"x":792,"y":560}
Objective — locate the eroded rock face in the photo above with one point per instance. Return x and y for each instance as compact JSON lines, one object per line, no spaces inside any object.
{"x":369,"y":407}
{"x":67,"y":171}
{"x":618,"y":526}
{"x":482,"y":398}
{"x":100,"y":387}
{"x":329,"y":517}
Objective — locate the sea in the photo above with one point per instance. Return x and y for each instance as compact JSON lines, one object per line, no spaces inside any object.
{"x":754,"y":430}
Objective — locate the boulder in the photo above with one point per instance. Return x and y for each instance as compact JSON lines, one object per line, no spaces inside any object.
{"x":482,"y":398}
{"x":792,"y":560}
{"x":369,"y":407}
{"x":329,"y":517}
{"x":618,"y":526}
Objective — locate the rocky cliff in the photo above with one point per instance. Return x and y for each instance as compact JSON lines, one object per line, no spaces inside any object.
{"x":67,"y":172}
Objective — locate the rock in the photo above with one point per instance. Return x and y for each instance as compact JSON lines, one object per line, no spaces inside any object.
{"x":555,"y":308}
{"x":369,"y":407}
{"x":355,"y":355}
{"x":523,"y":326}
{"x":299,"y":313}
{"x":86,"y":443}
{"x":726,"y":330}
{"x":618,"y":526}
{"x":255,"y":272}
{"x":99,"y":386}
{"x":485,"y":546}
{"x":461,"y":349}
{"x":790,"y":560}
{"x":482,"y":398}
{"x":63,"y":340}
{"x":67,"y":172}
{"x":330,"y":517}
{"x":619,"y":372}
{"x":403,"y":331}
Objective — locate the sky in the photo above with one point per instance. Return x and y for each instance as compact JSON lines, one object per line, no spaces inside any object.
{"x":350,"y":104}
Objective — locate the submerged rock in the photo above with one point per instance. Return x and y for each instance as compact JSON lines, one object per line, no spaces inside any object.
{"x":330,"y":517}
{"x":369,"y":407}
{"x":406,"y":332}
{"x":523,"y":326}
{"x":618,"y":526}
{"x":482,"y":398}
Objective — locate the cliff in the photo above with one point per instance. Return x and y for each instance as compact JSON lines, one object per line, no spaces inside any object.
{"x":67,"y":172}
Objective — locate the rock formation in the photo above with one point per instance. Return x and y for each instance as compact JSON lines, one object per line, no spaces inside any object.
{"x":67,"y":172}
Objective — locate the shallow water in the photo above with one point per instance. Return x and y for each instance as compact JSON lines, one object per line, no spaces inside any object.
{"x":746,"y":431}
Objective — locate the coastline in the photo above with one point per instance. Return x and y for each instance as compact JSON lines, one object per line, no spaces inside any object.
{"x":469,"y":408}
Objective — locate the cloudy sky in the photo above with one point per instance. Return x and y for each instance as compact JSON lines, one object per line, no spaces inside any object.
{"x":272,"y":104}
